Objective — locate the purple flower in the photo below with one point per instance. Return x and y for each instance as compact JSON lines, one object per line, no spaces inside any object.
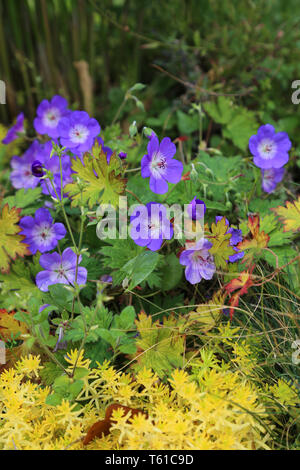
{"x":107,"y":150}
{"x":42,"y":307}
{"x":160,"y":166}
{"x":60,"y":269}
{"x":49,"y":115}
{"x":150,"y":226}
{"x":236,"y":237}
{"x":78,"y":131}
{"x":41,"y":234}
{"x":196,"y":209}
{"x":122,"y":155}
{"x":270,"y":150}
{"x":270,"y":178}
{"x":199,"y":262}
{"x":21,"y":176}
{"x":106,"y":279}
{"x":12,"y":133}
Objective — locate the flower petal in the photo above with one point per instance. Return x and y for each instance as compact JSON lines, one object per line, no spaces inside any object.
{"x":167,"y":148}
{"x":158,"y":185}
{"x":174,"y":171}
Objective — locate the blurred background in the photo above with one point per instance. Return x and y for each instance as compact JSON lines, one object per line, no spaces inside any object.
{"x":185,"y":51}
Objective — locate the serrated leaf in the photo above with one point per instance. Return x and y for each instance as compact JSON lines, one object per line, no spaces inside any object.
{"x":10,"y":328}
{"x":23,"y":198}
{"x":256,"y":242}
{"x":208,"y":314}
{"x":11,"y":244}
{"x":102,"y":181}
{"x":221,"y":250}
{"x":160,"y":347}
{"x":289,"y":215}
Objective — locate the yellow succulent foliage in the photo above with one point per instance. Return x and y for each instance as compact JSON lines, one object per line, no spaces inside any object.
{"x":212,"y":408}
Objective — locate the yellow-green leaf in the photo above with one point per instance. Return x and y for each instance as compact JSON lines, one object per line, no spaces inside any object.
{"x":221,"y":250}
{"x":101,"y":181}
{"x":11,"y":244}
{"x":289,"y":215}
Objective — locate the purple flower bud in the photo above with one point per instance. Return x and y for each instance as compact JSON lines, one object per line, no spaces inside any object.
{"x":122,"y":155}
{"x":196,"y":209}
{"x":37,"y":169}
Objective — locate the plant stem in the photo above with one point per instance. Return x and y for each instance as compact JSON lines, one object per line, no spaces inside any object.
{"x":134,"y":195}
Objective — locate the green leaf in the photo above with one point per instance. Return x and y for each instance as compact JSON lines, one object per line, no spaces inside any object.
{"x":54,"y":399}
{"x":171,"y":272}
{"x":187,"y":124}
{"x":23,"y":198}
{"x":139,"y":268}
{"x":238,"y":123}
{"x":125,"y":320}
{"x":50,"y":372}
{"x":75,"y":388}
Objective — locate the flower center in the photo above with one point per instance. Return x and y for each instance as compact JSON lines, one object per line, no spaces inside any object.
{"x":52,"y":117}
{"x":79,"y":134}
{"x":158,"y":165}
{"x":43,"y":234}
{"x":61,"y":272}
{"x":267,"y":149}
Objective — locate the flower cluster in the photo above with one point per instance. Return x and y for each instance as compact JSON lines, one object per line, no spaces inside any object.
{"x":270,"y":154}
{"x":74,"y":130}
{"x":73,"y":133}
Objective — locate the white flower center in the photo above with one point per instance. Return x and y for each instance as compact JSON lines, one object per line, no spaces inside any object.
{"x":61,"y":272}
{"x":155,"y":228}
{"x":51,"y":117}
{"x":43,"y":233}
{"x":158,"y":165}
{"x":79,"y":134}
{"x":267,"y":149}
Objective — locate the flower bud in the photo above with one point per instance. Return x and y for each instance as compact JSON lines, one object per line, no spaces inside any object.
{"x":37,"y":169}
{"x":133,"y":129}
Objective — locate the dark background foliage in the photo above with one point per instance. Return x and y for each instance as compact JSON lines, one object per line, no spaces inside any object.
{"x":91,"y":51}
